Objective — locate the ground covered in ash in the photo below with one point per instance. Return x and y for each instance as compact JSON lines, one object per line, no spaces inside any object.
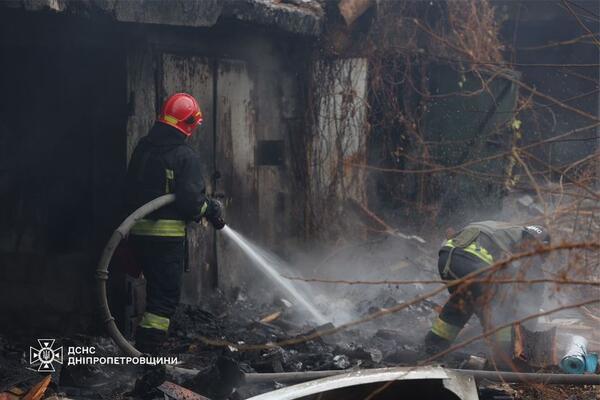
{"x":212,"y":349}
{"x":236,"y":322}
{"x":241,"y":323}
{"x":257,"y":338}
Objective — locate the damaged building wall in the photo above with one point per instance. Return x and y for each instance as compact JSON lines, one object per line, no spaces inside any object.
{"x":193,"y":74}
{"x":236,"y":147}
{"x":62,"y":165}
{"x":431,"y":106}
{"x":249,"y":84}
{"x":250,"y":114}
{"x":337,"y":145}
{"x":305,"y":19}
{"x":424,"y":104}
{"x":251,"y":102}
{"x":452,"y":85}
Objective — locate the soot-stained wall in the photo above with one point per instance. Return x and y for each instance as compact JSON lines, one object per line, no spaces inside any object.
{"x":250,"y":84}
{"x":62,"y":130}
{"x":80,"y":90}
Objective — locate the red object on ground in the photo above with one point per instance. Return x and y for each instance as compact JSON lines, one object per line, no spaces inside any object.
{"x":125,"y":260}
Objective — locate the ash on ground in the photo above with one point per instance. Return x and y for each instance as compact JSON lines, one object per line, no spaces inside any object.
{"x":272,"y":337}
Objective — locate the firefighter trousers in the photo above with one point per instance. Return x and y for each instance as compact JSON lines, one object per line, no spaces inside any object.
{"x":162,"y":261}
{"x":465,"y":300}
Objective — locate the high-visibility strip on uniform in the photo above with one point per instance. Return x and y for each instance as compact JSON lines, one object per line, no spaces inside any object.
{"x":445,"y":330}
{"x":203,"y":208}
{"x":475,"y":249}
{"x":159,"y":227}
{"x":153,"y":321}
{"x":170,"y":176}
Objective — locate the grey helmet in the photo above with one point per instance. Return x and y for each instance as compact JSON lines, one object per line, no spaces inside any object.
{"x":537,"y":232}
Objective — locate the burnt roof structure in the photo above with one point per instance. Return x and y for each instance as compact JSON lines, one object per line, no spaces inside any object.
{"x":304,"y":17}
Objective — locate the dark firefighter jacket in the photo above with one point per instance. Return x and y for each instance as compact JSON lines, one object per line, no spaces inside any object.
{"x":488,"y":240}
{"x":164,"y":163}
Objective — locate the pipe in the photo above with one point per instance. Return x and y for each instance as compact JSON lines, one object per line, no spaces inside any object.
{"x":494,"y":376}
{"x":102,"y":270}
{"x":518,"y":377}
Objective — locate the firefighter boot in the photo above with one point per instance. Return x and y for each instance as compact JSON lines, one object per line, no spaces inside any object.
{"x":149,"y":340}
{"x":435,"y":344}
{"x":146,"y":386}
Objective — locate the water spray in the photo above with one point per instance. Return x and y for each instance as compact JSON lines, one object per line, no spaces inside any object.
{"x":270,"y":270}
{"x":108,"y":321}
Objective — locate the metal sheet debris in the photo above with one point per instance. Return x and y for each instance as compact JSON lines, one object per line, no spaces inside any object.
{"x":461,"y":385}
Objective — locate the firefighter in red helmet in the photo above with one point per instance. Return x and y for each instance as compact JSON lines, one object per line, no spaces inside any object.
{"x":164,"y":163}
{"x":182,"y":112}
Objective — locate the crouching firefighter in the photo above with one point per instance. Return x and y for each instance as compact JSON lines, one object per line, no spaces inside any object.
{"x":477,"y":246}
{"x":164,"y":163}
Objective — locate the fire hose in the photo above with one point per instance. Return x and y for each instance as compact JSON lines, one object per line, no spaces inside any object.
{"x":102,"y":270}
{"x":111,"y":327}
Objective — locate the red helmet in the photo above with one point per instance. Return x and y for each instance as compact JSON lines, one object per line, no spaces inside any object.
{"x":181,"y":111}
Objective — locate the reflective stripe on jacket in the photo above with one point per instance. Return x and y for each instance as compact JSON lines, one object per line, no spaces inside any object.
{"x":474,"y":249}
{"x":161,"y":227}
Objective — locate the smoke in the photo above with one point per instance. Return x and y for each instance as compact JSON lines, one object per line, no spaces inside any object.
{"x":384,"y":259}
{"x":391,"y":258}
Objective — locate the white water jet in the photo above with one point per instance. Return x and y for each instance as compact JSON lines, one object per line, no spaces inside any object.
{"x":270,"y":270}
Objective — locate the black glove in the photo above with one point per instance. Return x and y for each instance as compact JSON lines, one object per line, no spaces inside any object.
{"x":214,"y":213}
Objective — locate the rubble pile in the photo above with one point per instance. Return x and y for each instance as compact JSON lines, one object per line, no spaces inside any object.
{"x":203,"y":339}
{"x":212,"y":346}
{"x":241,"y":323}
